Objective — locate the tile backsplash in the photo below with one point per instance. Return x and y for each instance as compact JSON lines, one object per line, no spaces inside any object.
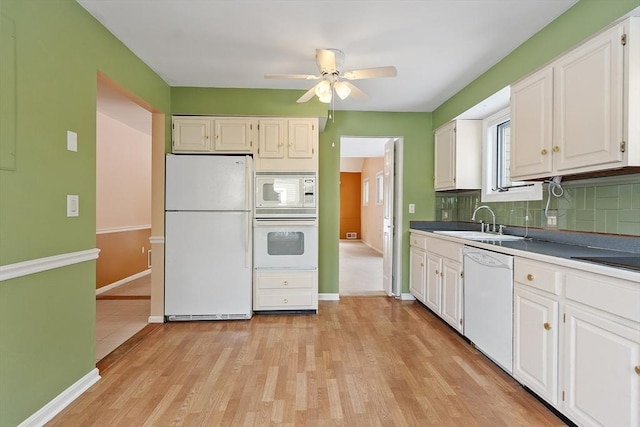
{"x":603,"y":205}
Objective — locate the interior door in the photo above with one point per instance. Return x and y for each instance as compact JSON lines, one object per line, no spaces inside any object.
{"x":388,"y":219}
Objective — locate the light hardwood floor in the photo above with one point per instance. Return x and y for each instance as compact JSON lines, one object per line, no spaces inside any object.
{"x":361,"y":361}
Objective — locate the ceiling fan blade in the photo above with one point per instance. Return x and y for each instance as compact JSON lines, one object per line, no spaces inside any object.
{"x":326,"y":59}
{"x":307,"y":95}
{"x":292,"y":76}
{"x":371,"y":73}
{"x":356,"y":92}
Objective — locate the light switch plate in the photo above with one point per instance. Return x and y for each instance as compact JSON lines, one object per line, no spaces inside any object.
{"x":72,"y":141}
{"x":412,"y":208}
{"x":73,"y":205}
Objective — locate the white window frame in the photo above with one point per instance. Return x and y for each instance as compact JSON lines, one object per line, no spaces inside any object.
{"x":365,"y":192}
{"x":379,"y":188}
{"x":489,"y":142}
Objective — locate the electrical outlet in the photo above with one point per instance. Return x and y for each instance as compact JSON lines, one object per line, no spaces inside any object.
{"x":552,"y":218}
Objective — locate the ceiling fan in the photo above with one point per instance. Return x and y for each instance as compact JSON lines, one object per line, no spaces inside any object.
{"x":333,"y":79}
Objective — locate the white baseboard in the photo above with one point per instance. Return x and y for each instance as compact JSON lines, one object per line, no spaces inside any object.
{"x":122,"y":282}
{"x":407,"y":297}
{"x":328,"y":297}
{"x":371,"y":247}
{"x":61,"y":401}
{"x":156,"y":319}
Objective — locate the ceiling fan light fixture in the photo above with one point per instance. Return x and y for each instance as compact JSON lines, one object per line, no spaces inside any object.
{"x":323,"y":88}
{"x":325,"y":97}
{"x":342,"y":90}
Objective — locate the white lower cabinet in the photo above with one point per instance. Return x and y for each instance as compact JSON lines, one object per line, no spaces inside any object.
{"x":577,"y":342}
{"x":285,"y":290}
{"x":436,"y":276}
{"x":535,"y":342}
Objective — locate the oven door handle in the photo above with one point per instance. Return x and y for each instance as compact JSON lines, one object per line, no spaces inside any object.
{"x":285,"y":222}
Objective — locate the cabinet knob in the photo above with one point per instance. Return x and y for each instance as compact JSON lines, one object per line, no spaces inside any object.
{"x":530,"y":277}
{"x":556,"y":148}
{"x":422,"y":264}
{"x":637,"y":369}
{"x":547,"y":326}
{"x":217,"y":136}
{"x":285,"y":283}
{"x":280,"y":144}
{"x":290,"y":144}
{"x":286,"y":301}
{"x":437,"y":273}
{"x":544,"y":152}
{"x":442,"y":274}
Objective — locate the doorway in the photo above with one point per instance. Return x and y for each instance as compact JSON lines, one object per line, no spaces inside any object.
{"x":123,"y":217}
{"x":370,"y":173}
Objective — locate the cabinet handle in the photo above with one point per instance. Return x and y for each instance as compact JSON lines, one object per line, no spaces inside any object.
{"x":556,"y":148}
{"x":544,"y":152}
{"x":637,"y":369}
{"x":442,"y":274}
{"x":530,"y":277}
{"x":547,"y":326}
{"x":285,"y":283}
{"x":286,"y":301}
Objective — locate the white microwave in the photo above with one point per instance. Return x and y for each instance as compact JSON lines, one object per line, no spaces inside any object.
{"x":285,"y":195}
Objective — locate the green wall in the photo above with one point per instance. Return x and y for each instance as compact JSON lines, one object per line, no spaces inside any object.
{"x":47,"y":320}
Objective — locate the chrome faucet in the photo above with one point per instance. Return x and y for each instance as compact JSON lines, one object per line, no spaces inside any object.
{"x":473,"y":217}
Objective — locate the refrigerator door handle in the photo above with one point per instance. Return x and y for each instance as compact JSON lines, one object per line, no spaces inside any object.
{"x":247,"y":183}
{"x":247,"y":242}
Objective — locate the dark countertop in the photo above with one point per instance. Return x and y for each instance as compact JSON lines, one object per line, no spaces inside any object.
{"x":561,"y":244}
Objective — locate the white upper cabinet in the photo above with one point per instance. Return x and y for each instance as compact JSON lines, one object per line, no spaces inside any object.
{"x":457,"y":155}
{"x":213,"y":134}
{"x":576,"y":115}
{"x":191,"y":134}
{"x":234,"y":134}
{"x":287,"y":144}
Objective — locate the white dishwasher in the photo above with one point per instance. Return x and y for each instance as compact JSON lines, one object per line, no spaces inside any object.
{"x":488,"y":304}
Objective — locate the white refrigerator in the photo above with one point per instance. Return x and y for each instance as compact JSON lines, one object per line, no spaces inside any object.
{"x":208,"y":247}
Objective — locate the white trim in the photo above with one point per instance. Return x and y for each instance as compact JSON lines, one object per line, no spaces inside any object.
{"x":156,"y":240}
{"x":121,"y":229}
{"x":113,"y":285}
{"x":24,"y":268}
{"x":328,"y":297}
{"x":398,"y":206}
{"x":61,"y":401}
{"x":407,"y":297}
{"x":156,"y":319}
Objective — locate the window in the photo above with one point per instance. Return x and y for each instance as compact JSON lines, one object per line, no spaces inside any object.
{"x":496,"y":181}
{"x":365,"y":192}
{"x":379,"y":188}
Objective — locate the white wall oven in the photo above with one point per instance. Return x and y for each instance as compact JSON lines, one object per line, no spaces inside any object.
{"x":285,"y":195}
{"x":290,"y":244}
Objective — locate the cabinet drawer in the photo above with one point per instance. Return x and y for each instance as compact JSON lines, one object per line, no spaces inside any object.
{"x":537,"y":275}
{"x":445,"y":248}
{"x":616,"y":296}
{"x":285,"y":281}
{"x":419,"y":241}
{"x":285,"y":301}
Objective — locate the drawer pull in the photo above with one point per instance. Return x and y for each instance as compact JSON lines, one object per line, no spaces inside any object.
{"x":637,"y":369}
{"x":530,"y":277}
{"x":285,"y":283}
{"x":286,"y":301}
{"x":547,"y":326}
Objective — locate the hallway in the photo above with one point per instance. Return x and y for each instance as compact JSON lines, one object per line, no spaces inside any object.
{"x":360,"y":270}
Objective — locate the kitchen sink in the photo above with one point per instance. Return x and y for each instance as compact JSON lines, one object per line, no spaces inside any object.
{"x":478,"y":235}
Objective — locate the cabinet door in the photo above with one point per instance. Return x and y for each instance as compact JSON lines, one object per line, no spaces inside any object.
{"x":532,"y":125}
{"x":589,"y":103}
{"x":271,"y":138}
{"x":432,"y":293}
{"x":452,"y":293}
{"x":535,"y":342}
{"x":602,"y":361}
{"x":417,"y":272}
{"x":301,"y":139}
{"x":233,"y":134}
{"x":191,"y":134}
{"x":445,"y":155}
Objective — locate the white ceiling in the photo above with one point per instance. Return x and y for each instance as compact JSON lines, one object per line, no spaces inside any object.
{"x":437,"y":46}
